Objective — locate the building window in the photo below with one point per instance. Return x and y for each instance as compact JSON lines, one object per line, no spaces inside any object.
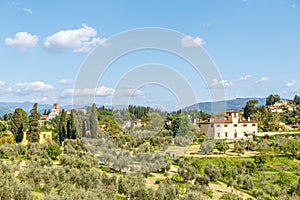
{"x":235,"y":134}
{"x":234,"y":115}
{"x":218,"y":125}
{"x":211,"y":125}
{"x":44,"y":135}
{"x":226,"y":134}
{"x":225,"y":125}
{"x":245,"y":125}
{"x":253,"y":124}
{"x":235,"y":125}
{"x":218,"y":134}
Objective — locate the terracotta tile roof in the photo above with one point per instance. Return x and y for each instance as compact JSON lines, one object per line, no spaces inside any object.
{"x":246,"y":121}
{"x":216,"y":120}
{"x":220,"y":121}
{"x":233,"y":111}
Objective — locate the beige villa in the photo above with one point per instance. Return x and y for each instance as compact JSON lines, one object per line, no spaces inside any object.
{"x":232,"y":126}
{"x":45,"y":137}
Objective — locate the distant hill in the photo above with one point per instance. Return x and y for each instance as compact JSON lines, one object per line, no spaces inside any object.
{"x":8,"y":107}
{"x":233,"y":104}
{"x":3,"y":111}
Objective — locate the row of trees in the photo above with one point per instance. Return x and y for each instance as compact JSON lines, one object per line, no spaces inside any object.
{"x":137,"y":112}
{"x":296,"y":100}
{"x":65,"y":126}
{"x":21,"y":122}
{"x":77,"y":124}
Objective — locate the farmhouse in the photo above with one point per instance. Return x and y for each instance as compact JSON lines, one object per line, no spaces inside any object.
{"x":232,"y":126}
{"x":45,"y":137}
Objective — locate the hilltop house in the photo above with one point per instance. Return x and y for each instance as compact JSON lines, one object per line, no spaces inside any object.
{"x":54,"y":112}
{"x":278,"y":106}
{"x":232,"y":126}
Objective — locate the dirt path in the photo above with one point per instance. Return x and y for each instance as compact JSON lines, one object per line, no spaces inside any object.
{"x":221,"y":188}
{"x":193,"y":150}
{"x":218,"y":188}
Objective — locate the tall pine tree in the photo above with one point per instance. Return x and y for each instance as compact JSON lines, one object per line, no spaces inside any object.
{"x":19,"y":124}
{"x":33,"y":133}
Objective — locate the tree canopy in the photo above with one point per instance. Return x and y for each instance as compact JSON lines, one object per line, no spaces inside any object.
{"x":34,"y":131}
{"x":19,"y":124}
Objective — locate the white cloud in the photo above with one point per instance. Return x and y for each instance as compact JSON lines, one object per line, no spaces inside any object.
{"x":2,"y":83}
{"x":189,"y":41}
{"x":130,"y":92}
{"x":104,"y":91}
{"x":22,"y":41}
{"x":262,"y":80}
{"x":244,"y":78}
{"x":290,"y":84}
{"x":39,"y":100}
{"x":30,"y":87}
{"x":27,"y":10}
{"x":77,"y":40}
{"x":100,"y":91}
{"x":220,"y":83}
{"x":65,"y":81}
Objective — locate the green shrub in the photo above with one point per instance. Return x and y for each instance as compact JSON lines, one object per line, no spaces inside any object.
{"x":177,"y":178}
{"x":157,"y":181}
{"x":8,"y":150}
{"x":221,"y":146}
{"x":209,"y":193}
{"x":230,"y":196}
{"x":206,"y":147}
{"x":53,"y":151}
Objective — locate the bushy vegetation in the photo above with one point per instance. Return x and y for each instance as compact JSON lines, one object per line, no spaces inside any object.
{"x":92,"y":157}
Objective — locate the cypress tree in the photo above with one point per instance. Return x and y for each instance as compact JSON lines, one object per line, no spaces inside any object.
{"x":69,"y":127}
{"x":62,"y":127}
{"x":73,"y":126}
{"x":83,"y":128}
{"x":94,"y":121}
{"x":76,"y":129}
{"x":33,"y":133}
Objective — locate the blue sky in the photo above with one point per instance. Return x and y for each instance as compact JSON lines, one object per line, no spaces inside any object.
{"x":255,"y":45}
